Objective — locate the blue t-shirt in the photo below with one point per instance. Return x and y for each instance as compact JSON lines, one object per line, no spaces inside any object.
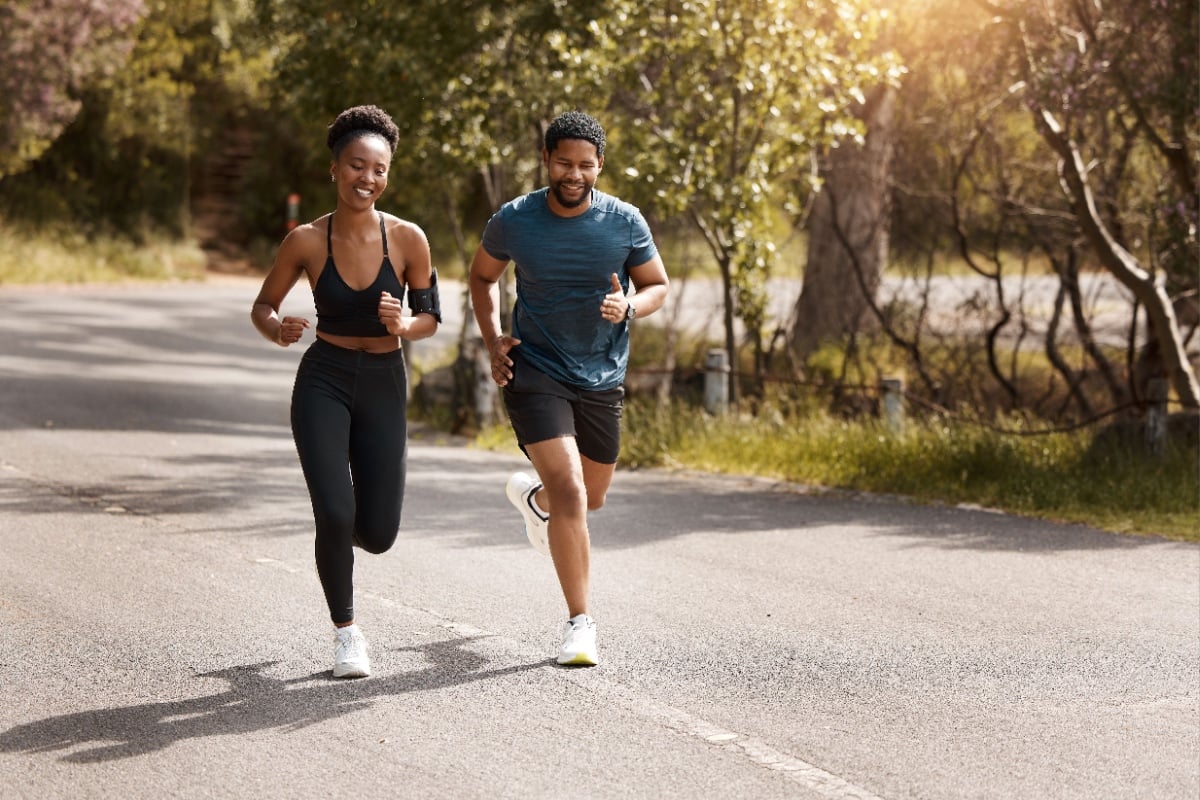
{"x":563,"y":268}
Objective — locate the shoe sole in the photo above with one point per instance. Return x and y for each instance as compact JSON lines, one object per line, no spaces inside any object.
{"x":351,"y":672}
{"x":578,"y":660}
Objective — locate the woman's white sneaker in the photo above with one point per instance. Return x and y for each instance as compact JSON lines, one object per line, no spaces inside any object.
{"x":520,"y":490}
{"x":350,"y":654}
{"x":579,"y":642}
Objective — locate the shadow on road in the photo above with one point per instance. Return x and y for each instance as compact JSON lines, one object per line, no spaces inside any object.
{"x":647,"y":507}
{"x":456,"y":495}
{"x":253,"y":702}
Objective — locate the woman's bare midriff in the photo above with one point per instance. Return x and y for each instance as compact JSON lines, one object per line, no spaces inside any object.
{"x":367,"y":344}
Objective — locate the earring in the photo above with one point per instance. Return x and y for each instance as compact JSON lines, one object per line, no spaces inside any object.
{"x":332,"y":179}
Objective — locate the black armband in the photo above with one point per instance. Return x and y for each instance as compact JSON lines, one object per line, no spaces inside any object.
{"x":426,"y":301}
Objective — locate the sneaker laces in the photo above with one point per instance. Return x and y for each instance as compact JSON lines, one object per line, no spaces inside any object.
{"x":349,"y":646}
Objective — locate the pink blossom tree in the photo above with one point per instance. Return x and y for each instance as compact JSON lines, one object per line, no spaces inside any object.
{"x":49,"y":51}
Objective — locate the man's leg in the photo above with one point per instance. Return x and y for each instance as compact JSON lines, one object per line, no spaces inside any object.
{"x":597,"y":478}
{"x":572,"y":484}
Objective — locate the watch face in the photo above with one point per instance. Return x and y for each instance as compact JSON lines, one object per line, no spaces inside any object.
{"x":630,"y":311}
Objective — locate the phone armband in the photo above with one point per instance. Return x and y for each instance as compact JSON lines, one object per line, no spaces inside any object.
{"x":426,"y":301}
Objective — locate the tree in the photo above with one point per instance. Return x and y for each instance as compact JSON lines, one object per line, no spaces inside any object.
{"x":1119,"y":83}
{"x":726,"y":103}
{"x":50,"y":51}
{"x":847,"y":232}
{"x":471,"y":84}
{"x":982,"y":178}
{"x":133,"y":157}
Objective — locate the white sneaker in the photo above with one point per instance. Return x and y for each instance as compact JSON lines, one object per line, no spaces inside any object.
{"x":579,"y":642}
{"x":520,"y":490}
{"x":350,"y":654}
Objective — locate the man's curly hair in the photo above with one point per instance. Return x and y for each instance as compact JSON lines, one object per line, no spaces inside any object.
{"x":359,"y":121}
{"x":575,"y":125}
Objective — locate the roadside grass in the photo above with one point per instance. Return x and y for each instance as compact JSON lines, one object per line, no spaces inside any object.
{"x":67,"y":256}
{"x":1064,"y":477}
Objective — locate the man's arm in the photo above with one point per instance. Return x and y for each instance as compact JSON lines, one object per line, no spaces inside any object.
{"x":486,"y":271}
{"x":650,"y":286}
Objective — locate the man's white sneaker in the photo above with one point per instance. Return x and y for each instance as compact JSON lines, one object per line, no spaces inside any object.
{"x":579,"y":642}
{"x":350,"y":654}
{"x":520,"y":490}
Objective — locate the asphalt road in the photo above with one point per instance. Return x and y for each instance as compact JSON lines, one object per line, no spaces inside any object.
{"x":165,"y":636}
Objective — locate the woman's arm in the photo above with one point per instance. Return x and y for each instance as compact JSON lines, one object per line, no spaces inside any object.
{"x":418,"y":276}
{"x":287,"y":269}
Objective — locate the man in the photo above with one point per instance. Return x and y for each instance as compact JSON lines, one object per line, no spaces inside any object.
{"x":576,"y":251}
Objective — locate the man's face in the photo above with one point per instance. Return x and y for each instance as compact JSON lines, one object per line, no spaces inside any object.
{"x":572,"y":168}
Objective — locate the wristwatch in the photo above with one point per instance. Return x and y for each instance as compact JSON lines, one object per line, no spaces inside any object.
{"x":630,"y":311}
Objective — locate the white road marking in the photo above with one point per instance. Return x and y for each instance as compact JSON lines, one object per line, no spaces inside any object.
{"x":752,"y":749}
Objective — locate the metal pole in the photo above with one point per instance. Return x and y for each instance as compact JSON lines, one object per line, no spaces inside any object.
{"x":293,"y":210}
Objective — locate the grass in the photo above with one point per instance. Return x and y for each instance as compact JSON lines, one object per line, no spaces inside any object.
{"x":1065,"y":477}
{"x":66,"y":256}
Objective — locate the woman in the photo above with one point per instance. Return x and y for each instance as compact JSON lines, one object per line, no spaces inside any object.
{"x":348,"y":404}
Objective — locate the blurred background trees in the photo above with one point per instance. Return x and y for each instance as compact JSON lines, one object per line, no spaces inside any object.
{"x":50,"y":51}
{"x":888,"y":151}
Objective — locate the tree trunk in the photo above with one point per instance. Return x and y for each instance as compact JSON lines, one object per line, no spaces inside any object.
{"x":726,"y":266}
{"x":847,"y":233}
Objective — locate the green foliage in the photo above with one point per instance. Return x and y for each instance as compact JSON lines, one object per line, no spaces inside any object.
{"x":99,"y":186}
{"x":128,"y":161}
{"x":470,"y":84}
{"x":712,"y":107}
{"x":1068,"y":477}
{"x":727,"y":103}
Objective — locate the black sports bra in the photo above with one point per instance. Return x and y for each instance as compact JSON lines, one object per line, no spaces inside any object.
{"x":343,"y":311}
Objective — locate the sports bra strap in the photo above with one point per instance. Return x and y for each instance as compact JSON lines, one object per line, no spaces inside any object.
{"x":329,"y":235}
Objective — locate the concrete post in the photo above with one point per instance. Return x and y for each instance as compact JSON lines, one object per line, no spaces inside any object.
{"x":1156,"y":415}
{"x":892,"y":390}
{"x":716,"y":382}
{"x":485,"y":392}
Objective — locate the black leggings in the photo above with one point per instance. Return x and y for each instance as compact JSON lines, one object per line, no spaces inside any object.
{"x":348,"y":420}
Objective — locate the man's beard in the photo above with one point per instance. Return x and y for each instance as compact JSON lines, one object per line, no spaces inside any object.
{"x":564,"y":202}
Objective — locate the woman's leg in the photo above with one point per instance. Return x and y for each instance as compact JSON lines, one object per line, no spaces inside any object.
{"x":321,"y":426}
{"x":378,"y":446}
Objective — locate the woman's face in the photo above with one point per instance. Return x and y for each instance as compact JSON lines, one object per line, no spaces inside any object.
{"x":361,"y":171}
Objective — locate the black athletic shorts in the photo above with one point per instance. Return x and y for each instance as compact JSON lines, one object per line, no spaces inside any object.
{"x":541,"y":408}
